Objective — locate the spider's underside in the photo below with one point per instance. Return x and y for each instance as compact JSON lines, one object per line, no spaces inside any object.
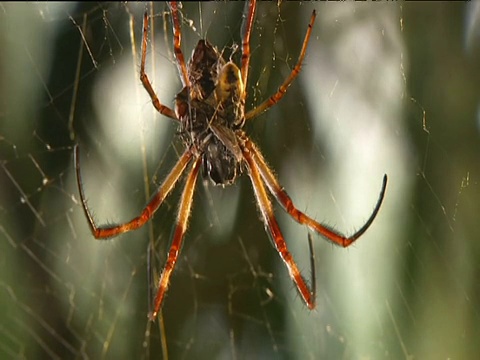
{"x":211,"y":113}
{"x":210,"y":110}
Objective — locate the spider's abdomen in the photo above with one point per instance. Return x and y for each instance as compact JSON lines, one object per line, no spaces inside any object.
{"x":211,"y":111}
{"x":228,"y":93}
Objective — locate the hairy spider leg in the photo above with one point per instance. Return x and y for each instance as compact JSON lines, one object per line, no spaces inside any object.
{"x":184,"y":211}
{"x":268,"y":217}
{"x":287,"y":203}
{"x":162,"y":109}
{"x":177,"y":42}
{"x":105,"y":232}
{"x":272,"y":100}
{"x":247,"y":30}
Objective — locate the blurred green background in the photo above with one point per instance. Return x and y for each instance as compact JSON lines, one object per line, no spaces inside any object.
{"x":385,"y":88}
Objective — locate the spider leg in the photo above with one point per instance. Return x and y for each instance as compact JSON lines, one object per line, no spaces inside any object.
{"x":313,"y":275}
{"x":247,"y":30}
{"x":177,"y":42}
{"x":104,"y":232}
{"x":181,"y":226}
{"x":287,"y":203}
{"x":272,"y":100}
{"x":271,"y":224}
{"x":162,"y":109}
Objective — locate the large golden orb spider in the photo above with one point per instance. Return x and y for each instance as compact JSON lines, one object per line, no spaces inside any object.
{"x":210,"y":111}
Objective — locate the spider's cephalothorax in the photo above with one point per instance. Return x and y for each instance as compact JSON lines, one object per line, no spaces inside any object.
{"x":210,"y":111}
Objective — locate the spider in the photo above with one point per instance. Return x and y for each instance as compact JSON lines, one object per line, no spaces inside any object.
{"x":210,"y":112}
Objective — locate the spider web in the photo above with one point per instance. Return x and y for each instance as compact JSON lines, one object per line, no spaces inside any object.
{"x":385,"y":88}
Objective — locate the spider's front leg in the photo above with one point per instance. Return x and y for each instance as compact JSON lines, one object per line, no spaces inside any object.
{"x":176,"y":243}
{"x":105,"y":232}
{"x":271,"y":224}
{"x":284,"y":199}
